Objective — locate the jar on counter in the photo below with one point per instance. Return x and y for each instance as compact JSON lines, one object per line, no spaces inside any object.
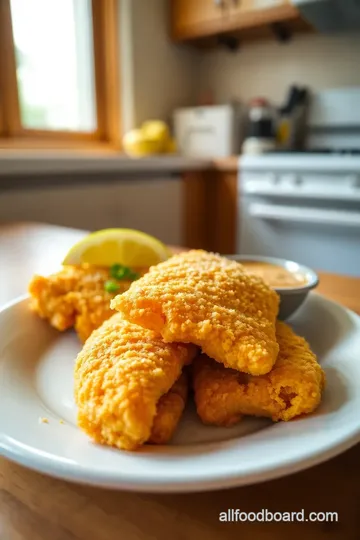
{"x":260,"y":130}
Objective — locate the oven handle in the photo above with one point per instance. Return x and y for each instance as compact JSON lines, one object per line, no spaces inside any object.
{"x":306,"y":215}
{"x":299,"y":193}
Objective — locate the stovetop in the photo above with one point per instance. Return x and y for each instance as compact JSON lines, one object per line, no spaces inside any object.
{"x":320,"y":160}
{"x":316,"y":151}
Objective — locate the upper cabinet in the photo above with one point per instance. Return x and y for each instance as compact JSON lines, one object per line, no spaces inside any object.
{"x":247,"y":13}
{"x":196,"y":19}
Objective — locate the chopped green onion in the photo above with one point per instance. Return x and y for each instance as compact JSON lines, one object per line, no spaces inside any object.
{"x":133,"y":276}
{"x":120,"y":272}
{"x":123,"y":273}
{"x":115,"y":269}
{"x":110,"y":286}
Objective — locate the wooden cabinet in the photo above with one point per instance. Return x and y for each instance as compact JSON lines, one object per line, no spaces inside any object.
{"x":243,"y":7}
{"x":211,"y":207}
{"x":191,"y":18}
{"x":194,"y":19}
{"x":255,"y":13}
{"x":255,"y":5}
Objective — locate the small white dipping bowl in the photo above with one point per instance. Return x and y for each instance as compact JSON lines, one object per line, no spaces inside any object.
{"x":291,"y":298}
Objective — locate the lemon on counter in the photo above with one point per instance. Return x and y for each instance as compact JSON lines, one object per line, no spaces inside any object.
{"x":156,"y":130}
{"x":127,"y":247}
{"x":171,"y":146}
{"x":152,"y":138}
{"x":137,"y":145}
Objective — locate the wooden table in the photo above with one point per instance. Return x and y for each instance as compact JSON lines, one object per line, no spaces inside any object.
{"x":36,"y":507}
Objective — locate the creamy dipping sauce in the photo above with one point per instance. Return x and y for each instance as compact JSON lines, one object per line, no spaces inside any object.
{"x":274,"y":275}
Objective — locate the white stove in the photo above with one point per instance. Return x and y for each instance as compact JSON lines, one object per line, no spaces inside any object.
{"x":305,"y":206}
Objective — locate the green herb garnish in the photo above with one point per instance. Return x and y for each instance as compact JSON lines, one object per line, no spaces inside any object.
{"x":120,"y":273}
{"x":111,"y":286}
{"x":133,"y":276}
{"x":117,"y":271}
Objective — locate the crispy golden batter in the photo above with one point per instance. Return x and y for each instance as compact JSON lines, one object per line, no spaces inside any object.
{"x":293,"y":387}
{"x":202,"y":298}
{"x":120,"y":376}
{"x":168,"y":411}
{"x":75,"y":296}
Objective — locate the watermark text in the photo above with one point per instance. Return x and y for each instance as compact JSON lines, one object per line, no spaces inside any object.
{"x":265,"y":515}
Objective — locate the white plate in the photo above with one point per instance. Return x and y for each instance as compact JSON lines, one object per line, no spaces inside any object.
{"x":36,"y":365}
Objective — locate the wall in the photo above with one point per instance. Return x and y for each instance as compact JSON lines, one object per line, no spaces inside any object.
{"x":157,"y":75}
{"x":153,"y":206}
{"x":267,"y":68}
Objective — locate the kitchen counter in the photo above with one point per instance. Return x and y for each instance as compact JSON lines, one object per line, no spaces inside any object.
{"x":209,"y":201}
{"x":36,"y":507}
{"x":227,"y":164}
{"x":59,"y":162}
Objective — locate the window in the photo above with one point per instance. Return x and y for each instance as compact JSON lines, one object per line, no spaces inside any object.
{"x":58,"y":72}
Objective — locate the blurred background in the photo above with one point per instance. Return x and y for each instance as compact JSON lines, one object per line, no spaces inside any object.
{"x":232,"y":125}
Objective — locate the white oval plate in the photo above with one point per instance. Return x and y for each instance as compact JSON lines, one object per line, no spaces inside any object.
{"x":36,"y":371}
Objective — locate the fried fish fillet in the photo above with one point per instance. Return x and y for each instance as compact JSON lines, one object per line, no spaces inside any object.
{"x":121,"y":377}
{"x":202,"y":298}
{"x":293,"y":387}
{"x":169,"y":411}
{"x":75,"y":296}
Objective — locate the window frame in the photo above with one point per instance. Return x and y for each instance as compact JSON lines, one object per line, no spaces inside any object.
{"x":107,"y":87}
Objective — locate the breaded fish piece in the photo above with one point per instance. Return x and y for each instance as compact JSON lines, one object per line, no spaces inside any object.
{"x":202,"y":298}
{"x":169,"y":411}
{"x":75,"y":296}
{"x":121,"y":374}
{"x":293,"y":387}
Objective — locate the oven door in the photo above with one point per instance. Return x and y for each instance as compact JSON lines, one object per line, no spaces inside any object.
{"x":322,"y":237}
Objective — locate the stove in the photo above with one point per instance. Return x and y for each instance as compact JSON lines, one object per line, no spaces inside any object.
{"x":305,"y":205}
{"x":316,"y":151}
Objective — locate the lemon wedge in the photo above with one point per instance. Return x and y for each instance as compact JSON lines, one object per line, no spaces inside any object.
{"x":118,"y":246}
